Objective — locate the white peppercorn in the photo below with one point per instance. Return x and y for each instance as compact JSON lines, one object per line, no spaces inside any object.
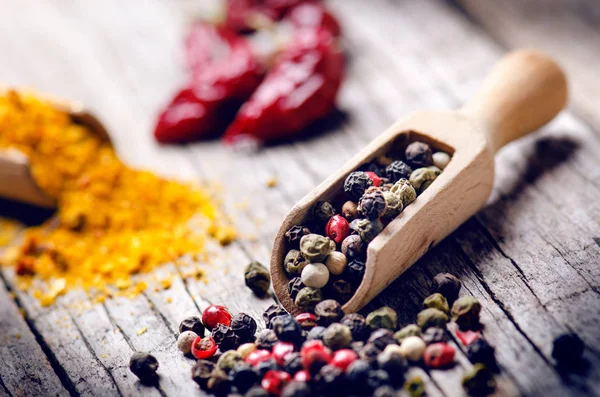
{"x":441,"y":159}
{"x":185,"y":340}
{"x":412,"y":348}
{"x":315,"y":275}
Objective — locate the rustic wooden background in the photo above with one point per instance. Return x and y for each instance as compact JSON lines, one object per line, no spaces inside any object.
{"x":531,"y":256}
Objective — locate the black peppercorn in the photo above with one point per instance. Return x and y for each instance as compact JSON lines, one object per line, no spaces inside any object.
{"x":358,"y":326}
{"x":418,"y":154}
{"x":394,"y":364}
{"x":193,"y":324}
{"x":244,"y":327}
{"x":297,"y":389}
{"x":144,"y":366}
{"x":356,"y":183}
{"x":330,"y":381}
{"x":244,"y":376}
{"x":353,"y":247}
{"x":201,"y":372}
{"x":322,"y":211}
{"x":357,"y":346}
{"x":264,"y":366}
{"x":257,"y":278}
{"x":567,"y":349}
{"x":355,"y":270}
{"x":357,"y":374}
{"x":372,"y":204}
{"x":381,"y":338}
{"x":479,"y":381}
{"x":328,"y":311}
{"x":219,"y":383}
{"x":369,"y":353}
{"x":398,"y":170}
{"x":434,"y":335}
{"x":377,"y":378}
{"x":341,"y":290}
{"x":447,"y":285}
{"x":294,"y":235}
{"x":225,"y":338}
{"x":271,"y":312}
{"x":480,"y":351}
{"x":316,"y":333}
{"x":266,"y":339}
{"x":294,"y":286}
{"x":257,"y":391}
{"x":287,"y":329}
{"x":385,"y":391}
{"x":293,"y":363}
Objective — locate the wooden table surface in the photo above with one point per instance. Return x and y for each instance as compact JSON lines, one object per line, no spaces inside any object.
{"x":531,"y":256}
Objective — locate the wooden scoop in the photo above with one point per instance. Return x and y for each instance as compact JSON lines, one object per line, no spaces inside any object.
{"x":16,"y":180}
{"x":523,"y":92}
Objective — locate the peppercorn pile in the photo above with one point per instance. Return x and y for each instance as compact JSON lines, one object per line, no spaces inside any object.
{"x":329,"y":353}
{"x":327,"y":255}
{"x":112,"y":221}
{"x":263,"y":72}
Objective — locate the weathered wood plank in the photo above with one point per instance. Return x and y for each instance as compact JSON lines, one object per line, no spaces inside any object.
{"x":24,"y":367}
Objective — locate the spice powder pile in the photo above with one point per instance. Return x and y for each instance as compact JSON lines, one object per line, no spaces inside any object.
{"x":112,"y":221}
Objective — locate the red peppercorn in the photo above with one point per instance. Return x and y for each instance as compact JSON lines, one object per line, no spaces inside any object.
{"x":374,"y":177}
{"x":258,"y":356}
{"x":343,"y":358}
{"x":438,"y":355}
{"x":314,"y":354}
{"x":203,"y":348}
{"x":302,"y":376}
{"x":274,"y":381}
{"x":467,"y":337}
{"x":281,"y":350}
{"x":215,"y":314}
{"x":306,"y":320}
{"x":337,"y":228}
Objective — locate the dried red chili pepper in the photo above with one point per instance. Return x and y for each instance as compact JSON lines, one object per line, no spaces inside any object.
{"x":206,"y":44}
{"x":208,"y":103}
{"x":299,"y":89}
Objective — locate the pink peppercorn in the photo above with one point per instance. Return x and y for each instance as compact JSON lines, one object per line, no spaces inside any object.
{"x":314,"y":355}
{"x":337,"y":228}
{"x":214,"y":315}
{"x":274,"y":381}
{"x":374,"y":177}
{"x":343,"y":358}
{"x":438,"y":355}
{"x":258,"y":356}
{"x":302,"y":376}
{"x":281,"y":350}
{"x":306,"y":320}
{"x":467,"y":337}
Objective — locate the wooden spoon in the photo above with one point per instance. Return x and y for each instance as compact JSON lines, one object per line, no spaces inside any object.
{"x":523,"y":92}
{"x":16,"y":180}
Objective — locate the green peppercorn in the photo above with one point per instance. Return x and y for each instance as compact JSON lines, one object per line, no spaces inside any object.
{"x":315,"y":247}
{"x":201,"y":372}
{"x":294,"y":235}
{"x":227,"y":360}
{"x":384,"y":317}
{"x":337,"y":336}
{"x":393,"y":204}
{"x":368,"y":229}
{"x":257,"y":278}
{"x":422,"y":178}
{"x":431,"y":317}
{"x":307,"y":298}
{"x":479,"y":381}
{"x":415,"y":386}
{"x":465,"y":312}
{"x":418,"y":154}
{"x":322,"y":211}
{"x":144,"y":366}
{"x":447,"y":285}
{"x":294,"y":262}
{"x":356,"y":183}
{"x":372,"y":204}
{"x":405,"y":191}
{"x":437,"y":301}
{"x":328,"y":312}
{"x":409,"y":330}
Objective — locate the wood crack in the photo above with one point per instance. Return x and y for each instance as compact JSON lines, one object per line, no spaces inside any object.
{"x":4,"y":388}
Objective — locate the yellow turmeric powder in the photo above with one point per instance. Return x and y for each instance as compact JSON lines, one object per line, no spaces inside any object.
{"x":112,"y":221}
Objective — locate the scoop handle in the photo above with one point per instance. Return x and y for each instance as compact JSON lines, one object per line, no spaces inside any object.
{"x":524,"y":91}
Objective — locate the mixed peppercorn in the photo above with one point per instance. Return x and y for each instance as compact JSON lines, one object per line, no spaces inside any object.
{"x":331,"y":353}
{"x":326,"y":255}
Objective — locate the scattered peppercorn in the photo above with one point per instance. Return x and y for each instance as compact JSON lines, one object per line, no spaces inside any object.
{"x":246,"y":349}
{"x":243,"y":376}
{"x":343,"y":358}
{"x":219,"y":383}
{"x":225,"y":337}
{"x":257,"y":391}
{"x":215,"y":314}
{"x":281,"y":350}
{"x":294,"y":286}
{"x":307,"y":321}
{"x":465,"y":312}
{"x":480,"y":351}
{"x":257,"y":278}
{"x":307,"y":298}
{"x":204,"y":347}
{"x":258,"y":356}
{"x":358,"y":326}
{"x":385,"y":391}
{"x":337,"y":336}
{"x":357,"y":375}
{"x":398,"y":170}
{"x":193,"y":324}
{"x":265,"y":366}
{"x":422,"y":178}
{"x":438,"y":355}
{"x":266,"y":339}
{"x":314,"y":356}
{"x":144,"y":366}
{"x":185,"y":340}
{"x":437,"y":301}
{"x":467,"y":337}
{"x":287,"y":329}
{"x":271,"y":312}
{"x":418,"y":154}
{"x":315,"y":247}
{"x":244,"y":326}
{"x":316,"y":333}
{"x":381,"y":338}
{"x":431,"y":317}
{"x":447,"y":285}
{"x":297,"y":389}
{"x":201,"y":372}
{"x":567,"y":349}
{"x":412,"y":348}
{"x":330,"y":381}
{"x":415,"y":386}
{"x":228,"y":360}
{"x":409,"y":330}
{"x":294,"y":235}
{"x":328,"y":312}
{"x":384,"y":317}
{"x":356,"y":183}
{"x":293,"y":363}
{"x":350,"y":210}
{"x":372,"y":204}
{"x":434,"y":335}
{"x":394,"y":364}
{"x":479,"y":381}
{"x":377,"y":378}
{"x":369,"y":353}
